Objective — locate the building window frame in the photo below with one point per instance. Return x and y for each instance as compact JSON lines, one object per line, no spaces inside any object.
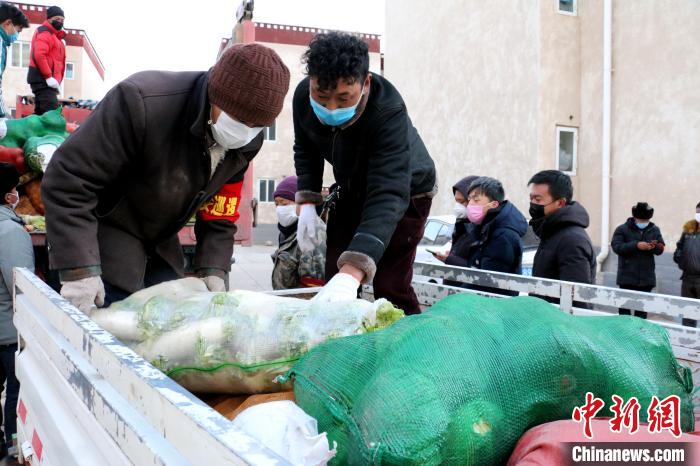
{"x":72,"y":75}
{"x":557,"y":150}
{"x":11,"y":59}
{"x":574,"y":11}
{"x":270,"y":132}
{"x":266,"y":195}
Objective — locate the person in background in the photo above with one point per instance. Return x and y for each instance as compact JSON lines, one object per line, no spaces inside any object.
{"x":636,"y":242}
{"x":294,"y":268}
{"x":460,"y":238}
{"x":47,"y":61}
{"x":565,"y":251}
{"x":12,"y":21}
{"x":15,"y":251}
{"x":687,"y":256}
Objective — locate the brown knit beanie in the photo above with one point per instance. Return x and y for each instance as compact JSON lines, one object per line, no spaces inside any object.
{"x":249,"y":83}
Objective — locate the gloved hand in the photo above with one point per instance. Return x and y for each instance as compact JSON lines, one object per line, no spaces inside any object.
{"x":342,"y":287}
{"x":306,"y":228}
{"x":3,"y":127}
{"x":214,"y":283}
{"x":84,"y":293}
{"x":51,"y":82}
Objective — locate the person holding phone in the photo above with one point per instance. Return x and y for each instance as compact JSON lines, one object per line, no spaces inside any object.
{"x":636,"y":242}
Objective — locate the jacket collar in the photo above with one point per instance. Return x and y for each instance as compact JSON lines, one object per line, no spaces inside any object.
{"x":199,"y":107}
{"x":60,"y":34}
{"x":6,"y":213}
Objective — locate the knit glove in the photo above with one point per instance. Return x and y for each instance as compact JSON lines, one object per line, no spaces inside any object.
{"x":306,"y":228}
{"x":85,"y":293}
{"x":342,"y":287}
{"x":51,"y":82}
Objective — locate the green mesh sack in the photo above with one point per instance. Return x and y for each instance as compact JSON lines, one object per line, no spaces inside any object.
{"x":20,"y":130}
{"x":462,"y":382}
{"x":38,"y":151}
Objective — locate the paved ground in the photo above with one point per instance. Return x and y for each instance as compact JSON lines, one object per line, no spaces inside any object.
{"x":252,"y":268}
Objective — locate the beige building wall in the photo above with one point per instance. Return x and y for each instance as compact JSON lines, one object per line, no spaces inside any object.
{"x":87,"y":83}
{"x":487,"y":83}
{"x":276,"y":158}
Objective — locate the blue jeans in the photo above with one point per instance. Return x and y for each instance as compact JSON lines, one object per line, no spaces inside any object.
{"x":7,"y":374}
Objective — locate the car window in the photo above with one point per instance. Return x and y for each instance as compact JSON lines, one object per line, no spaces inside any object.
{"x":445,"y":235}
{"x":432,"y":229}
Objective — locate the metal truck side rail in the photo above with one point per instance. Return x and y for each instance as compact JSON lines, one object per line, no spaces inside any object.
{"x":150,"y":418}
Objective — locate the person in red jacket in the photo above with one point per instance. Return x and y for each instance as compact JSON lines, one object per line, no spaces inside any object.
{"x":47,"y":61}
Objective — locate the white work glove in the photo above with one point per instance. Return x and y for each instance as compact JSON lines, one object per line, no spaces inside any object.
{"x":342,"y":287}
{"x":51,"y":82}
{"x":85,"y":293}
{"x":3,"y":127}
{"x":214,"y":283}
{"x":306,"y":228}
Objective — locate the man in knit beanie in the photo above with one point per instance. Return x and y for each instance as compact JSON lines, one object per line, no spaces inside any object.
{"x":160,"y":148}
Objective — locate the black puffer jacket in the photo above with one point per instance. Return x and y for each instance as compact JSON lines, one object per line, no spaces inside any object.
{"x":565,"y":251}
{"x":634,"y":266}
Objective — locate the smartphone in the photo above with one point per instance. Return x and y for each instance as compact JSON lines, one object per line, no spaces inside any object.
{"x":432,"y":251}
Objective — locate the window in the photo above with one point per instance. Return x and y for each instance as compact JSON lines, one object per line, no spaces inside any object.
{"x":430,"y":234}
{"x":445,"y":235}
{"x":567,"y":7}
{"x":70,"y":71}
{"x":271,"y":132}
{"x":20,"y":54}
{"x":266,"y":188}
{"x":566,"y":149}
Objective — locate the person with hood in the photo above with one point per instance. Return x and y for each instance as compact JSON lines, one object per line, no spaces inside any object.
{"x":15,"y":251}
{"x":12,"y":21}
{"x":294,"y":268}
{"x":493,"y":236}
{"x":460,"y":238}
{"x":636,"y":242}
{"x":158,"y":149}
{"x":687,"y":256}
{"x":47,"y":61}
{"x":565,"y":251}
{"x":385,"y":178}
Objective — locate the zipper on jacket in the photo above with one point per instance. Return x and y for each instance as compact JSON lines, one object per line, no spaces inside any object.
{"x":336,"y":131}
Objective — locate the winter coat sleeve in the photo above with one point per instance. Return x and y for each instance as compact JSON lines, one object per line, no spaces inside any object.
{"x":575,"y":262}
{"x":17,"y":251}
{"x":388,"y":192}
{"x":501,"y":253}
{"x":678,"y":253}
{"x":81,"y":168}
{"x":660,"y":246}
{"x":456,"y":260}
{"x":308,"y":162}
{"x":40,"y":51}
{"x":620,"y":246}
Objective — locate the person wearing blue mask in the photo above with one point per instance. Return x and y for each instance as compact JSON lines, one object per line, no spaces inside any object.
{"x":385,"y":178}
{"x":636,"y":242}
{"x":12,"y":21}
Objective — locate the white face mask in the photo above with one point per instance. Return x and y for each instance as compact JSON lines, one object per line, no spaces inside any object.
{"x":287,"y":214}
{"x":460,"y":211}
{"x":232,"y":134}
{"x":14,"y":204}
{"x":697,"y":217}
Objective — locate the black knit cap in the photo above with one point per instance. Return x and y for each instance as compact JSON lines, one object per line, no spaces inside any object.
{"x":9,"y":179}
{"x":463,"y":185}
{"x":54,"y":11}
{"x":642,"y":211}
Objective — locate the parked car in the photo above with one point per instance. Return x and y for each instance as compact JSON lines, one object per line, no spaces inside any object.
{"x":438,"y":237}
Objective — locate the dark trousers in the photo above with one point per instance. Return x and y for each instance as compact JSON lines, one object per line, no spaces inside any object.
{"x":7,"y":375}
{"x":690,"y":288}
{"x":157,"y":271}
{"x":395,"y":269}
{"x":626,"y":312}
{"x":45,"y":98}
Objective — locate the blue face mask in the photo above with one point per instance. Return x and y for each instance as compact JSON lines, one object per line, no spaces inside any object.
{"x":14,"y":37}
{"x":336,"y":117}
{"x":642,"y":226}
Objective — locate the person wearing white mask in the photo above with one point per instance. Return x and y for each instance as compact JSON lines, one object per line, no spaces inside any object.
{"x":15,"y":251}
{"x":687,"y":256}
{"x":294,"y":268}
{"x":160,"y":148}
{"x":461,"y":237}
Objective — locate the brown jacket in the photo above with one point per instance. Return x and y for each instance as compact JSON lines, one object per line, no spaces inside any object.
{"x":121,"y":187}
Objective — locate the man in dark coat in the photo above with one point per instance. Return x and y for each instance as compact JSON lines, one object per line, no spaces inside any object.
{"x":385,"y":178}
{"x":565,"y":251}
{"x":494,"y":231}
{"x":160,"y":148}
{"x":687,"y":256}
{"x":636,"y":242}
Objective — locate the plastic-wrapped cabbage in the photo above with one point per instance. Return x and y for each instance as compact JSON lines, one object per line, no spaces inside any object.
{"x":236,"y":342}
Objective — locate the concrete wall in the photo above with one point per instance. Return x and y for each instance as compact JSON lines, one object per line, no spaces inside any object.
{"x":488,"y":82}
{"x":276,"y":158}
